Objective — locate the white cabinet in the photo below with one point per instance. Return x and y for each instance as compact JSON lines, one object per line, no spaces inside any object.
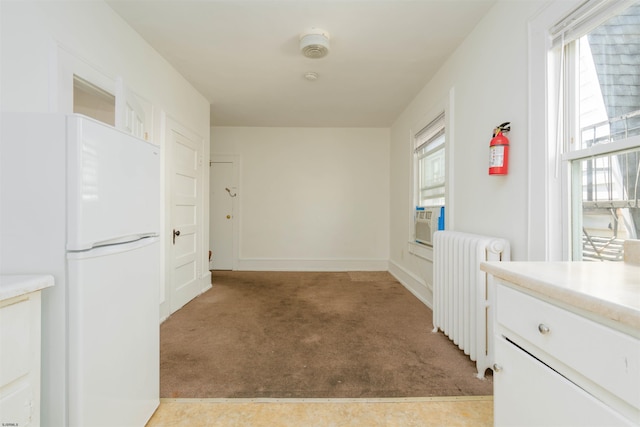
{"x":133,"y":113}
{"x":554,"y":367}
{"x":20,"y":350}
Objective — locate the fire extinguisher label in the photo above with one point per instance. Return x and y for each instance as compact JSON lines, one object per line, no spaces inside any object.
{"x":496,"y":159}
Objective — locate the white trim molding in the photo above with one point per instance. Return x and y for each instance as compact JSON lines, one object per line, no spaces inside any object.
{"x":282,"y":264}
{"x":414,"y":284}
{"x":544,"y":239}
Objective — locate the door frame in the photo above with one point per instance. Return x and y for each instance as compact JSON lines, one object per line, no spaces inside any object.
{"x":235,"y":160}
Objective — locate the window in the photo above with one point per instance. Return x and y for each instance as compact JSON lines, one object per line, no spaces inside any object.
{"x":598,"y":47}
{"x":430,"y":164}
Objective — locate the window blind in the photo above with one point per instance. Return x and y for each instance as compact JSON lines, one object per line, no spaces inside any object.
{"x":430,"y":132}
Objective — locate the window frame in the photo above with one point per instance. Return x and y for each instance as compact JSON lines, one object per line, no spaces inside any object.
{"x":446,"y":104}
{"x":549,"y":198}
{"x":574,"y":152}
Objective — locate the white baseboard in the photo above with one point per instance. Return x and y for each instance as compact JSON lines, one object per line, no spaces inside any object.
{"x":205,"y":281}
{"x":205,"y":285}
{"x":414,"y":284}
{"x":262,"y":264}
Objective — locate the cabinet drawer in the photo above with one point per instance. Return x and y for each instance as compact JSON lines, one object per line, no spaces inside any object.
{"x":605,"y":356}
{"x":15,"y":341}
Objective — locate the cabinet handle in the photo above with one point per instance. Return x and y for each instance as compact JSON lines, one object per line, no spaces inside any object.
{"x":543,"y":329}
{"x":497,"y":368}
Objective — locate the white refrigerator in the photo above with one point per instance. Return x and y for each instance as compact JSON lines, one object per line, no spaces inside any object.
{"x":81,"y":200}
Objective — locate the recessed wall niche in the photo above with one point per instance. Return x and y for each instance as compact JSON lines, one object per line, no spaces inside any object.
{"x":94,"y":102}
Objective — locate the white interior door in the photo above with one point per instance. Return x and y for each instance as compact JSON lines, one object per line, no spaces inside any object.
{"x":222,"y":195}
{"x":186,"y":203}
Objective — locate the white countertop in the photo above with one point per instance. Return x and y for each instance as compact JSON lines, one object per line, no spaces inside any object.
{"x":606,"y":291}
{"x":13,"y":286}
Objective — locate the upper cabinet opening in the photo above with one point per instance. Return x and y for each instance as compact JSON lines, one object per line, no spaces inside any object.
{"x":92,"y":101}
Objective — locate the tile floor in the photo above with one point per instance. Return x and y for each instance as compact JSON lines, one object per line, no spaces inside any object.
{"x":476,"y":411}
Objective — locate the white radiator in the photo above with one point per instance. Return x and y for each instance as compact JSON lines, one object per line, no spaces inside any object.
{"x":462,"y":294}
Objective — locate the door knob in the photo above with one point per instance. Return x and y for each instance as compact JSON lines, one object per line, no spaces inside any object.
{"x":175,"y":234}
{"x":228,"y":216}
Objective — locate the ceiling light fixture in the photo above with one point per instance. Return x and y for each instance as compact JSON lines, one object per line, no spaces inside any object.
{"x":314,"y":43}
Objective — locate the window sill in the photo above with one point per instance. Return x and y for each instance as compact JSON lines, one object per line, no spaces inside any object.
{"x":420,"y":250}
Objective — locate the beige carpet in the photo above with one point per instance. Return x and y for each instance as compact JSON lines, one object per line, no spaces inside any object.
{"x":310,"y":335}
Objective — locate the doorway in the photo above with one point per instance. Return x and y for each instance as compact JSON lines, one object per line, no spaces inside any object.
{"x":223,"y":210}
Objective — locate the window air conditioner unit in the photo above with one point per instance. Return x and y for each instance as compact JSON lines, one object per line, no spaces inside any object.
{"x":427,"y":221}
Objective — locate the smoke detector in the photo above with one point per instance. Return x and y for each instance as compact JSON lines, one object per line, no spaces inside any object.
{"x":314,"y":43}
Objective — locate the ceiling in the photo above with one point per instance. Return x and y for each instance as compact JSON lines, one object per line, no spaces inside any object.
{"x":244,"y":57}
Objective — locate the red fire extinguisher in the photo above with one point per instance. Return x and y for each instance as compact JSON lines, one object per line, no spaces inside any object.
{"x":499,"y":150}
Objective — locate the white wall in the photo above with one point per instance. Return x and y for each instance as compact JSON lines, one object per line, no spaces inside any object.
{"x":489,"y":77}
{"x":310,"y":198}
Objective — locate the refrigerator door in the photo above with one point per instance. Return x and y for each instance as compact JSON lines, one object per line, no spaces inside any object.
{"x":114,"y":334}
{"x":113,"y":185}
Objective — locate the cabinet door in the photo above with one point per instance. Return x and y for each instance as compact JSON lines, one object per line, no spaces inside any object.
{"x":20,"y":361}
{"x":529,"y":393}
{"x":134,"y":114}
